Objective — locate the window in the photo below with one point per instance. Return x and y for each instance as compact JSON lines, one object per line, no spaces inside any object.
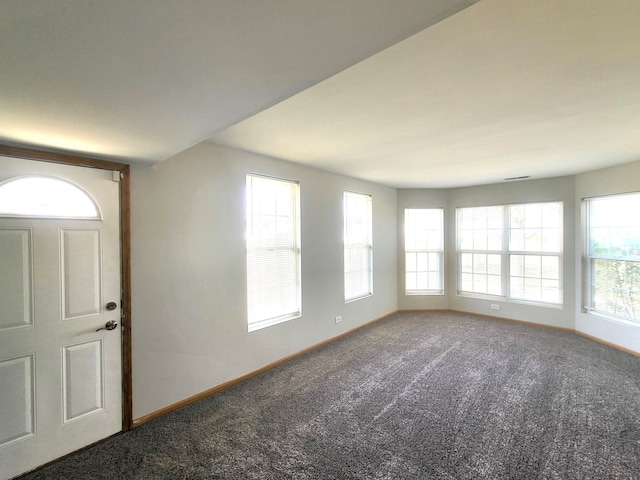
{"x":480,"y":240}
{"x":613,"y":256}
{"x":273,"y":251}
{"x":45,"y":197}
{"x":358,"y":247}
{"x":513,"y":251}
{"x":535,"y":243}
{"x":423,"y":247}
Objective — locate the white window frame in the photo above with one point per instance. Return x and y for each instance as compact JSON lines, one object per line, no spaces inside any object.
{"x":42,"y":196}
{"x":273,"y":248}
{"x":593,"y":304}
{"x":424,"y":251}
{"x":540,"y":247}
{"x":499,"y":250}
{"x":358,"y":246}
{"x":483,"y":249}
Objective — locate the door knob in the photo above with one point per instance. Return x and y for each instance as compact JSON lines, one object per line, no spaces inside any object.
{"x":110,"y":325}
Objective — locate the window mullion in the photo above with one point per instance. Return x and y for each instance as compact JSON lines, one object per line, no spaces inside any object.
{"x":529,"y":257}
{"x":506,"y":259}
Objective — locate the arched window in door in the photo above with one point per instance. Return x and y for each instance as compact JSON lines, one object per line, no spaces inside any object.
{"x":45,"y":197}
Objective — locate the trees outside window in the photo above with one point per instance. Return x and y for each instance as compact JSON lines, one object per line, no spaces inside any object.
{"x":613,"y":256}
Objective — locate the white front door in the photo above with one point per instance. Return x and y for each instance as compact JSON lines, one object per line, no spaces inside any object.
{"x":60,"y":375}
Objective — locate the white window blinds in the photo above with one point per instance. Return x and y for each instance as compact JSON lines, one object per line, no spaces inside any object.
{"x":273,"y":251}
{"x":358,"y":247}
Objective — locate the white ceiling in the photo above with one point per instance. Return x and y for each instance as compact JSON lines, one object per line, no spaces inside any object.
{"x":143,"y":80}
{"x":502,"y":89}
{"x":363,"y":88}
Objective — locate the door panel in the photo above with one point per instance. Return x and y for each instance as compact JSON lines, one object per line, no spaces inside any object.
{"x":60,"y":371}
{"x":83,"y":379}
{"x":81,"y":289}
{"x":15,"y":281}
{"x":17,"y":404}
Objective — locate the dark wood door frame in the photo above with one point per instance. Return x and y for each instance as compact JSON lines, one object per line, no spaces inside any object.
{"x":125,"y":252}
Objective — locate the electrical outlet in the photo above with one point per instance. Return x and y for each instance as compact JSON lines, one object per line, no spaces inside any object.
{"x":338,"y":319}
{"x":495,"y":306}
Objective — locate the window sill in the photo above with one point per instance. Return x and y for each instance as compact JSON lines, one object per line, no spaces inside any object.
{"x":611,"y":318}
{"x":413,"y":293}
{"x":273,"y":321}
{"x":355,"y":299}
{"x":498,"y":298}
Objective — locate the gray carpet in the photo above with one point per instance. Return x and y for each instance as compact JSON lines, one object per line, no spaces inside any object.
{"x":416,"y":396}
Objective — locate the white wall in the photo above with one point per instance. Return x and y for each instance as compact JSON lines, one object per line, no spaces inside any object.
{"x":189,"y":329}
{"x":614,"y":180}
{"x":570,"y":190}
{"x":554,"y":189}
{"x":421,"y":198}
{"x":188,"y":272}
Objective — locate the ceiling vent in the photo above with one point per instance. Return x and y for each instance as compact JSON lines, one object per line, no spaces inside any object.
{"x":517,"y":178}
